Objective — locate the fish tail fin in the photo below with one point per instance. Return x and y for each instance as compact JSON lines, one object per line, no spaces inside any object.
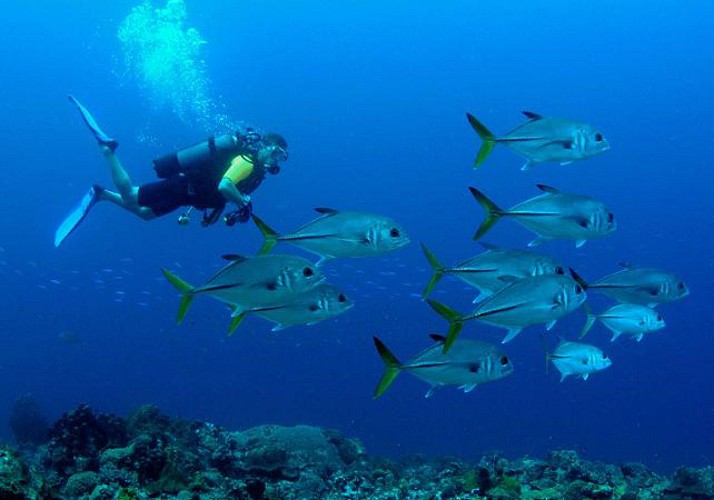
{"x":269,"y":234}
{"x":184,"y":288}
{"x":435,"y":266}
{"x":489,"y":140}
{"x":392,"y":364}
{"x":590,"y":320}
{"x":493,"y":212}
{"x":456,"y":322}
{"x":236,"y":321}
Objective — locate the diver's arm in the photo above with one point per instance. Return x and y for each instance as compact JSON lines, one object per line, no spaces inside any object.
{"x":231,"y":193}
{"x":240,"y":168}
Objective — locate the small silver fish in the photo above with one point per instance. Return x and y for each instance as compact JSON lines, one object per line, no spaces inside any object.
{"x":312,"y":306}
{"x":264,"y":280}
{"x":630,"y":319}
{"x":552,"y":215}
{"x":340,"y":234}
{"x":494,"y":269}
{"x":575,"y":358}
{"x":530,"y":301}
{"x":467,"y":365}
{"x":642,"y":285}
{"x":543,"y":139}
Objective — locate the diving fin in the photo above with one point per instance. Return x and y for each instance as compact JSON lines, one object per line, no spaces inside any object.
{"x":76,"y":216}
{"x":102,"y":138}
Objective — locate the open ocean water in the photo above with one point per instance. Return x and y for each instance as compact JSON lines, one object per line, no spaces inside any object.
{"x":371,"y":97}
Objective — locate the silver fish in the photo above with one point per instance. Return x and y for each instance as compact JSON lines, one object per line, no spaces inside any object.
{"x":574,"y":358}
{"x":530,"y":301}
{"x":543,"y":139}
{"x":494,"y":269}
{"x":312,"y":306}
{"x":630,"y":319}
{"x":264,"y":280}
{"x":642,"y":285}
{"x":552,"y":215}
{"x":468,"y":364}
{"x":340,"y":234}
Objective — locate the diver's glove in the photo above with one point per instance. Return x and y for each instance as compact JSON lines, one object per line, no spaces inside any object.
{"x":240,"y":215}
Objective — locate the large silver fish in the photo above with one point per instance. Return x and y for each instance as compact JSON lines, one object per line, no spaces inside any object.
{"x":630,"y":319}
{"x":574,"y":358}
{"x":543,"y":139}
{"x":529,"y":301}
{"x":467,"y":365}
{"x":340,"y":234}
{"x":552,"y":215}
{"x":247,"y":281}
{"x":312,"y":306}
{"x":494,"y":269}
{"x":642,"y":285}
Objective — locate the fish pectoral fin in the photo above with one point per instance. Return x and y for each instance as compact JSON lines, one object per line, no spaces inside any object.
{"x":580,"y":243}
{"x":511,"y":334}
{"x":566,"y":162}
{"x":467,"y":387}
{"x":481,"y":297}
{"x":639,"y":337}
{"x":537,"y":242}
{"x":549,"y":326}
{"x":585,"y":376}
{"x":615,"y":334}
{"x":278,"y":327}
{"x":527,"y":166}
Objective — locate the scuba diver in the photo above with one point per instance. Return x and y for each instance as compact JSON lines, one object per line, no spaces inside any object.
{"x":205,"y":176}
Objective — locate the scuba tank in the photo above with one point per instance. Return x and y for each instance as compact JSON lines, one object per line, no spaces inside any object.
{"x":205,"y":163}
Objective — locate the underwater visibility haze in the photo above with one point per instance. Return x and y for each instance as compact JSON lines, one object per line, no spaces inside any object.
{"x":372,"y":98}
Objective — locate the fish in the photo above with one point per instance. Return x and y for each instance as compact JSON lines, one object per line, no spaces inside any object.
{"x":631,"y":319}
{"x":493,"y":269}
{"x":340,"y":234}
{"x":641,"y":285}
{"x":247,"y":281}
{"x":575,"y":358}
{"x":552,"y":215}
{"x":543,"y":139}
{"x":467,"y":365}
{"x":322,"y":302}
{"x":526,"y":302}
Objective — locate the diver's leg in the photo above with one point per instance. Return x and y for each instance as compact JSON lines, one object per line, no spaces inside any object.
{"x":122,"y":181}
{"x":142,"y":212}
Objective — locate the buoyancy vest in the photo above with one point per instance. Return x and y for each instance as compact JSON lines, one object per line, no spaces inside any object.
{"x":205,"y":163}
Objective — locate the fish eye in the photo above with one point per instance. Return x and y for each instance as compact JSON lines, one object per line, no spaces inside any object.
{"x":578,"y":289}
{"x":559,"y":270}
{"x":660,"y":318}
{"x":504,"y":360}
{"x":611,"y":217}
{"x":604,"y":356}
{"x":394,"y":232}
{"x":598,"y":137}
{"x":341,"y":298}
{"x":307,"y":272}
{"x":680,"y":286}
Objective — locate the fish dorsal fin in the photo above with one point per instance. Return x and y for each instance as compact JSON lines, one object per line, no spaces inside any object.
{"x":532,"y":116}
{"x":488,"y":246}
{"x":547,"y":189}
{"x":437,"y":338}
{"x":233,"y":257}
{"x":326,"y":211}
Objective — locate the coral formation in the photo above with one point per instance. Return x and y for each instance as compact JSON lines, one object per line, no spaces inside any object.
{"x":93,"y":456}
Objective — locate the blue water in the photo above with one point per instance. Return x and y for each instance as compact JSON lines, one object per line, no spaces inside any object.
{"x":372,"y":101}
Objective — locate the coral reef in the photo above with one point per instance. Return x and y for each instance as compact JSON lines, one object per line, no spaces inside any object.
{"x":94,"y":456}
